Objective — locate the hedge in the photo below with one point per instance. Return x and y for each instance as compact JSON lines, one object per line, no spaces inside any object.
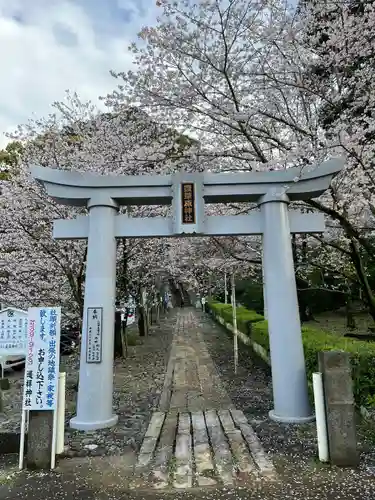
{"x":362,"y":354}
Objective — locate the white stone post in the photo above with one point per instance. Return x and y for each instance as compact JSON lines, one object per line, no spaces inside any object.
{"x":94,"y":402}
{"x":291,"y":403}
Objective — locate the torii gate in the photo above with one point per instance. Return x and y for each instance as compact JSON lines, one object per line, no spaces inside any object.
{"x":188,"y":193}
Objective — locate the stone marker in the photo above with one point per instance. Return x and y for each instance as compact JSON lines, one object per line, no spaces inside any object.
{"x":39,"y":440}
{"x":340,"y":407}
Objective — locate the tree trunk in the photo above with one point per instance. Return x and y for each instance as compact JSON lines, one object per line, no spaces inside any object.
{"x":367,"y":292}
{"x":350,"y":321}
{"x":141,"y":322}
{"x":147,"y":320}
{"x":118,"y":347}
{"x":124,"y":338}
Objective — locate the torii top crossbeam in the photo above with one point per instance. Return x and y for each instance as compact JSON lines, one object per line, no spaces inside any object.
{"x":74,"y":188}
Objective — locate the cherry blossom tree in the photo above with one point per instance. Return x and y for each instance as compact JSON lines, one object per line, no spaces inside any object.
{"x":213,"y":68}
{"x":36,"y":269}
{"x":341,"y":72}
{"x":238,"y":75}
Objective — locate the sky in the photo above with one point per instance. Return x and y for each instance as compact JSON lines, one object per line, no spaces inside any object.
{"x":49,"y":46}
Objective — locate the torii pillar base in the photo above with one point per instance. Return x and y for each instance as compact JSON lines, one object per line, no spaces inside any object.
{"x":93,"y":426}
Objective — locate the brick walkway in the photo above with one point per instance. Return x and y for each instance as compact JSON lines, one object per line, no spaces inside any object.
{"x":191,"y":381}
{"x":197,"y":438}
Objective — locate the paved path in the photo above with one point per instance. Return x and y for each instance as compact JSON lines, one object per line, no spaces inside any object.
{"x":191,"y":382}
{"x":197,"y":438}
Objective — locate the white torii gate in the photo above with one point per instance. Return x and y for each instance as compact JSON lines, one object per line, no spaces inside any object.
{"x":188,"y":193}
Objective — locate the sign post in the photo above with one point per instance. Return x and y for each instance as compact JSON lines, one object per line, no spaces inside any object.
{"x":41,"y":375}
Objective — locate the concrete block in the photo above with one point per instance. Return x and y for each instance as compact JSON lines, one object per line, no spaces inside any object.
{"x":340,"y":408}
{"x":39,"y":440}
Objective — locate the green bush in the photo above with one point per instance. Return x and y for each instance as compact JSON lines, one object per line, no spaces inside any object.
{"x":218,"y":306}
{"x":362,"y":356}
{"x":362,"y":353}
{"x":244,"y":316}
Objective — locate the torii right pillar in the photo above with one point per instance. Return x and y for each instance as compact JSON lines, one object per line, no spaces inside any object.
{"x":290,"y":394}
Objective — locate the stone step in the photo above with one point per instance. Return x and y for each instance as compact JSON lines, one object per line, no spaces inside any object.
{"x":204,"y":466}
{"x":220,"y":447}
{"x":160,"y":472}
{"x":182,"y":450}
{"x":264,"y":464}
{"x":244,"y":462}
{"x":150,"y":440}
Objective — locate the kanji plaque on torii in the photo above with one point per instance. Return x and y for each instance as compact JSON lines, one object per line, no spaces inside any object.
{"x":188,"y":203}
{"x":271,"y":191}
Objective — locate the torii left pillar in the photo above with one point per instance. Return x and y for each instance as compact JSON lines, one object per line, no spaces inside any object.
{"x":94,"y":402}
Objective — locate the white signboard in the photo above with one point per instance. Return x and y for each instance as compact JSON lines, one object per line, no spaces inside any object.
{"x":130,"y":308}
{"x":131,"y":317}
{"x":94,"y":334}
{"x":13,"y":332}
{"x":42,"y":359}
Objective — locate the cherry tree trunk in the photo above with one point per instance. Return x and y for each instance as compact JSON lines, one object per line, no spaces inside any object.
{"x":361,"y":273}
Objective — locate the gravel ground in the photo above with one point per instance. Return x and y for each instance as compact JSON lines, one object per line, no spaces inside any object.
{"x":293,"y":448}
{"x":138,"y":384}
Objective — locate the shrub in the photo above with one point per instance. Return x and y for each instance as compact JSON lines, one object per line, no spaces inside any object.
{"x":244,"y":316}
{"x":362,"y":354}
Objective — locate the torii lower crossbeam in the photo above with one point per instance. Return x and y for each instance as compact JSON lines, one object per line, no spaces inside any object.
{"x":162,"y":227}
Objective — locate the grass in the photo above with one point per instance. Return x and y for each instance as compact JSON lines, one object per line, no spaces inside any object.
{"x":335,"y":322}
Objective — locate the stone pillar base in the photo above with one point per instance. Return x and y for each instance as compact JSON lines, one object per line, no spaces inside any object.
{"x":93,"y":426}
{"x":290,"y":420}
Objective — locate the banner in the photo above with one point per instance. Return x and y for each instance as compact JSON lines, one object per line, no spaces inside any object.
{"x":42,"y":358}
